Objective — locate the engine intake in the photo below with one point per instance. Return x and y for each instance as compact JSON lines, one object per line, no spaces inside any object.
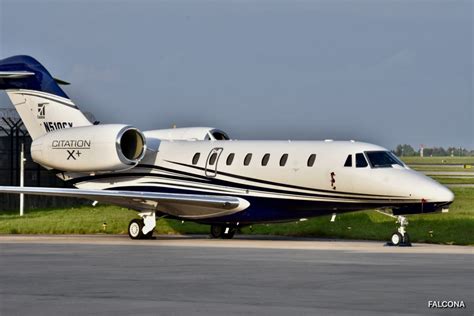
{"x":94,"y":148}
{"x":131,"y":144}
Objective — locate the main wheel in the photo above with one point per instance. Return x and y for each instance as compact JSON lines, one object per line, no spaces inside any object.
{"x":149,"y":235}
{"x":230,"y":233}
{"x":406,"y":239}
{"x":396,"y":239}
{"x":216,"y":231}
{"x":135,"y":229}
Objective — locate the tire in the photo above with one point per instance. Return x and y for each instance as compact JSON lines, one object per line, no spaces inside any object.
{"x":230,"y":234}
{"x":149,"y":235}
{"x":135,"y":229}
{"x":396,"y":239}
{"x":406,"y":239}
{"x":216,"y":231}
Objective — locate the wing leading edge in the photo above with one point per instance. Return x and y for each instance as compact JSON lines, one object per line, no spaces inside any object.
{"x":181,"y":205}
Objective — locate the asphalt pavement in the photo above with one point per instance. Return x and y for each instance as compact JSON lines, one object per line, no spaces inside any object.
{"x":103,"y":275}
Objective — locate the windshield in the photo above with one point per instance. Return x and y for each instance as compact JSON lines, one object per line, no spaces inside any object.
{"x":382,"y":159}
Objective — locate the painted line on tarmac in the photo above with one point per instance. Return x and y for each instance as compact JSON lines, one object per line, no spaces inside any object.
{"x":247,"y":242}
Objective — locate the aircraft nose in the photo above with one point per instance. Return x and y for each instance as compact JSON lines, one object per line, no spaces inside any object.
{"x":440,"y":193}
{"x":428,"y":189}
{"x":447,"y":195}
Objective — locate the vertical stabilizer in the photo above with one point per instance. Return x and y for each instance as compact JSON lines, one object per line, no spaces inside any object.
{"x":42,"y":105}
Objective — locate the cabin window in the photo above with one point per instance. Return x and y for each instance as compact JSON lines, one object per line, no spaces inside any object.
{"x":283,"y":160}
{"x":247,"y":159}
{"x":212,"y":159}
{"x":230,"y":158}
{"x":360,"y":161}
{"x":311,"y":160}
{"x":382,"y":159}
{"x":196,"y":158}
{"x":348,"y":162}
{"x":265,"y":159}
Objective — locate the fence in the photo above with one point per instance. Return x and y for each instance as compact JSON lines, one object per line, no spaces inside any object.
{"x":12,"y":135}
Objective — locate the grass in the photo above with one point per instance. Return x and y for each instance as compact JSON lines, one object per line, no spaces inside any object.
{"x":85,"y":220}
{"x":454,"y":180}
{"x":455,"y":227}
{"x":438,"y":160}
{"x":374,"y":226}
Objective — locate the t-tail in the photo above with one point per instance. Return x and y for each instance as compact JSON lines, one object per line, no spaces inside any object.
{"x":41,"y":103}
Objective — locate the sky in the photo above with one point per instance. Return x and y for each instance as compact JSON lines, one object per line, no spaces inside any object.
{"x":385,"y":72}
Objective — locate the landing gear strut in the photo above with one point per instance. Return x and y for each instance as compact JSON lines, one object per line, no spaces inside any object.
{"x":224,"y":232}
{"x":142,"y":228}
{"x":401,"y":237}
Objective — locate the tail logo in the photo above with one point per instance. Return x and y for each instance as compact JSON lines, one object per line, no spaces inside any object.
{"x":42,"y":110}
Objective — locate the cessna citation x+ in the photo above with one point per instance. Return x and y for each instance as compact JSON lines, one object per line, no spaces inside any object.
{"x":199,"y":174}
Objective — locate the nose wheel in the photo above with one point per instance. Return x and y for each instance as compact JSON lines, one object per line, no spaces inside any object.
{"x":400,"y":238}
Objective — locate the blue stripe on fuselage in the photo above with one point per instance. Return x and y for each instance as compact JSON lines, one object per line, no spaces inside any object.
{"x":263,"y":209}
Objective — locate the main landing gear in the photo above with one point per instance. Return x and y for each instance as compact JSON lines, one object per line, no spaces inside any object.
{"x":224,"y":232}
{"x":142,"y":228}
{"x":401,"y":237}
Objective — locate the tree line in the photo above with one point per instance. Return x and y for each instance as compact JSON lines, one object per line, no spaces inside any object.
{"x":408,"y":150}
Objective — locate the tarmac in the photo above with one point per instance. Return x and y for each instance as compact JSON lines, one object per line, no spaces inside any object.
{"x":194,"y":275}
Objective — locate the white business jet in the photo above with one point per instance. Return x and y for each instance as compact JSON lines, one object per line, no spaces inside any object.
{"x":201,"y":175}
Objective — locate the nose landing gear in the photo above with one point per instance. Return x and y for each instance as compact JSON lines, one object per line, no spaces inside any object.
{"x":401,"y":237}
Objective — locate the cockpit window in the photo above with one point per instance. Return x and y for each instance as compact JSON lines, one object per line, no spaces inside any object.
{"x":360,"y":161}
{"x":382,"y":159}
{"x":348,"y":162}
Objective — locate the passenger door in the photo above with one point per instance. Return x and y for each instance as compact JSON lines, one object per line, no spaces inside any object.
{"x":211,"y":162}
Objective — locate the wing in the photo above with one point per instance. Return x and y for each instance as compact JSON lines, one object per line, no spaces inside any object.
{"x":188,"y":206}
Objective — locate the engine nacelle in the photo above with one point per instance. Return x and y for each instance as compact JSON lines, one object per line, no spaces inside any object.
{"x":109,"y":147}
{"x":188,"y":133}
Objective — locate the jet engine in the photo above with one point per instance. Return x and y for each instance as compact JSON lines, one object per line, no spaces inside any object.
{"x":188,"y":133}
{"x":108,"y":147}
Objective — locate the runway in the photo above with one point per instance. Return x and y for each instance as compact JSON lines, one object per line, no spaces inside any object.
{"x":112,"y":275}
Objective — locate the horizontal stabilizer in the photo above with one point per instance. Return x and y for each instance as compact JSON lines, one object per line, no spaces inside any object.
{"x":16,"y":74}
{"x":61,"y":82}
